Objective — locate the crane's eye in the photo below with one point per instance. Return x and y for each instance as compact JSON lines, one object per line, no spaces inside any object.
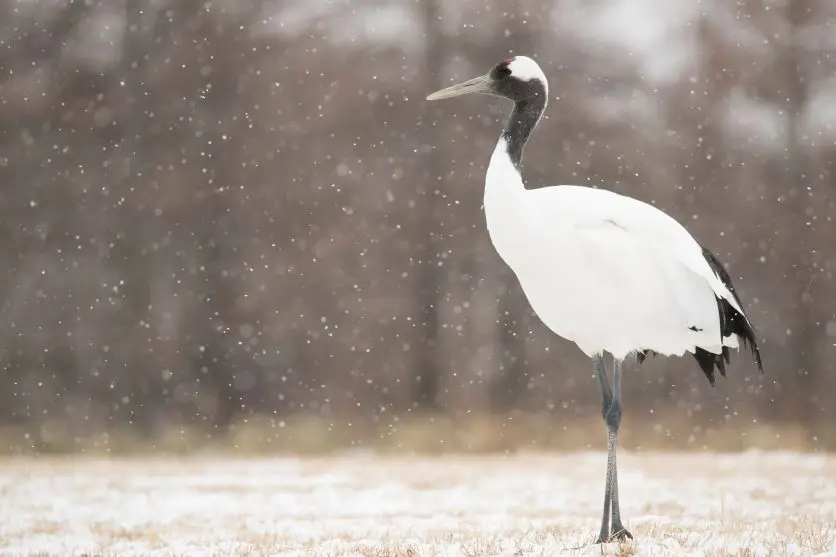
{"x":504,"y":71}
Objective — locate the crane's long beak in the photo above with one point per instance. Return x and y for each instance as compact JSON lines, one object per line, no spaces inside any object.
{"x":481,"y":84}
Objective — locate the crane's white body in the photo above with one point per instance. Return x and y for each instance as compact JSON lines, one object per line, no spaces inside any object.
{"x":605,"y":271}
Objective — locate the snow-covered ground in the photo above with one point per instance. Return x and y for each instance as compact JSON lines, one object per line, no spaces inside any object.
{"x":676,"y":504}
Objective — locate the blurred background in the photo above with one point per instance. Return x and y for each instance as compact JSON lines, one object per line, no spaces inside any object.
{"x":239,"y":224}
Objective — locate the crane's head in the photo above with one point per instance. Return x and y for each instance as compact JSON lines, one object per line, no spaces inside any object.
{"x":518,"y":79}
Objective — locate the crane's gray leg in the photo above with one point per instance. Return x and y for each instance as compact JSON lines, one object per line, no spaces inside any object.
{"x":606,"y":394}
{"x":611,"y":411}
{"x":613,"y":422}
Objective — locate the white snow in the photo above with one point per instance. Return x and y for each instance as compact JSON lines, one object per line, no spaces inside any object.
{"x":685,"y":505}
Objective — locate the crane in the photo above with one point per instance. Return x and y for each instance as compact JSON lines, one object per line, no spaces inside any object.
{"x":605,"y":271}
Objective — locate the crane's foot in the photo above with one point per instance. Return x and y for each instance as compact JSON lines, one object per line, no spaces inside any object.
{"x":619,"y":534}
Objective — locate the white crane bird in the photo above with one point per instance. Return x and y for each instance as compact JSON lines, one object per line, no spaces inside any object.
{"x":608,"y":272}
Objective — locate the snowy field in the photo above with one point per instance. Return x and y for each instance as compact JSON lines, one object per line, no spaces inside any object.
{"x":686,"y":504}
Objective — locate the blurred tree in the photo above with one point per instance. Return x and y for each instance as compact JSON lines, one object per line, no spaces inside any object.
{"x":511,"y":381}
{"x":799,"y":196}
{"x":429,"y":366}
{"x":211,"y":210}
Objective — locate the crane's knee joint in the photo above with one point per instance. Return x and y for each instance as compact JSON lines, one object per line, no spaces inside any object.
{"x":612,"y":415}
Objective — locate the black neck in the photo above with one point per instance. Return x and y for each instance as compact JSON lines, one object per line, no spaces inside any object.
{"x":520,"y":125}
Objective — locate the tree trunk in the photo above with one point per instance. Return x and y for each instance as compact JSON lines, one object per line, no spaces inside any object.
{"x":800,"y":198}
{"x":427,"y":373}
{"x":512,"y":381}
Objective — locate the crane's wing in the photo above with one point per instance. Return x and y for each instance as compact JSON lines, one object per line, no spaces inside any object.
{"x":588,"y":209}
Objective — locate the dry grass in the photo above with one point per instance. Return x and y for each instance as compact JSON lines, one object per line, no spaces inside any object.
{"x":422,"y":434}
{"x":712,"y":505}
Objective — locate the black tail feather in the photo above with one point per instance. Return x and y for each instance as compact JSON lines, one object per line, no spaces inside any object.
{"x":732,"y":322}
{"x":709,"y":361}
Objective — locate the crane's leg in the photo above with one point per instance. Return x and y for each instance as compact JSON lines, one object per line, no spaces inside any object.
{"x":611,"y":411}
{"x":606,"y":394}
{"x":613,"y":422}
